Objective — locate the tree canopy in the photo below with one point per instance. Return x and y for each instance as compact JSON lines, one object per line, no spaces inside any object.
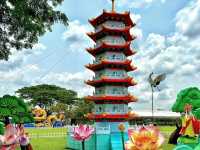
{"x":24,"y":21}
{"x":11,"y":106}
{"x":81,"y":108}
{"x":76,"y":112}
{"x":47,"y":95}
{"x":188,"y":96}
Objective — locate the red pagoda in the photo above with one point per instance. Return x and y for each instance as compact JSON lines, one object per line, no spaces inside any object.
{"x":113,"y":46}
{"x":111,"y":81}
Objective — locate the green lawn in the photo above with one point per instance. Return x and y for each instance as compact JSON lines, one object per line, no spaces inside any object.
{"x":58,"y":143}
{"x":48,"y":143}
{"x":40,"y":141}
{"x":167,"y":130}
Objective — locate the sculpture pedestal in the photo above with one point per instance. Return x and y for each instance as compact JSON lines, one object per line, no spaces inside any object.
{"x":106,"y":137}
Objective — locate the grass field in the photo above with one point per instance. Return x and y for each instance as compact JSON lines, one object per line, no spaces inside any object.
{"x":55,"y":141}
{"x":166,"y":131}
{"x":48,"y":138}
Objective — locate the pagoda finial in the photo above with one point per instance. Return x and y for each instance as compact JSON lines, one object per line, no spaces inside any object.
{"x":113,"y":5}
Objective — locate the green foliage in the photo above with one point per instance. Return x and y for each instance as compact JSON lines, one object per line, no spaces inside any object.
{"x":188,"y":96}
{"x":81,"y":108}
{"x":25,"y":21}
{"x":59,"y":107}
{"x":47,"y":95}
{"x":75,"y":111}
{"x":11,"y":106}
{"x":196,"y":113}
{"x":1,"y":128}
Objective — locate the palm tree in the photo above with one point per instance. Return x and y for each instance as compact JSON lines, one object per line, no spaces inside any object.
{"x":155,"y":82}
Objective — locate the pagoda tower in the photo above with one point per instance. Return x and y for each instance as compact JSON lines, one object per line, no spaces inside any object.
{"x":111,"y":66}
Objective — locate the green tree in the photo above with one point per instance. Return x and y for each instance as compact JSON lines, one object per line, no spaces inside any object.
{"x":11,"y":106}
{"x":81,"y":108}
{"x":47,"y":95}
{"x":22,"y":22}
{"x":59,"y":107}
{"x":1,"y":128}
{"x":76,"y":111}
{"x":188,"y":96}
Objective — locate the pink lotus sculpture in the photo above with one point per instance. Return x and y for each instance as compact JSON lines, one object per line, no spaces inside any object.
{"x":145,"y":138}
{"x":82,"y":133}
{"x":9,"y":139}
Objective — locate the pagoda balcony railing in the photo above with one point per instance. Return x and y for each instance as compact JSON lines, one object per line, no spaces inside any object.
{"x":98,"y":44}
{"x":123,"y":93}
{"x":111,"y":76}
{"x":111,"y":112}
{"x":116,"y":59}
{"x":108,"y":94}
{"x":111,"y":26}
{"x":111,"y":116}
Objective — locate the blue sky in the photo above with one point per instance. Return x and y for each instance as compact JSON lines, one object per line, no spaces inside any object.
{"x":168,"y":41}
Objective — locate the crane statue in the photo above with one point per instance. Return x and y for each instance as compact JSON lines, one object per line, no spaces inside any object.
{"x":155,"y":82}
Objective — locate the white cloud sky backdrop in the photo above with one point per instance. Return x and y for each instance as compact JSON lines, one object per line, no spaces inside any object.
{"x":60,"y":56}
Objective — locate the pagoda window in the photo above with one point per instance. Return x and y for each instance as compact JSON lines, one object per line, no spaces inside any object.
{"x":99,"y":91}
{"x":110,"y":24}
{"x":114,"y":73}
{"x":98,"y":74}
{"x":114,"y":90}
{"x":118,"y":74}
{"x":100,"y":109}
{"x":119,"y":108}
{"x":116,"y":40}
{"x":114,"y":108}
{"x":99,"y":58}
{"x":113,"y":56}
{"x":119,"y":57}
{"x":114,"y":24}
{"x":112,"y":40}
{"x":116,"y":56}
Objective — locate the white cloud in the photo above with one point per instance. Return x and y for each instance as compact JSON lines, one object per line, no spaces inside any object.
{"x":135,"y":17}
{"x":137,"y":3}
{"x":76,"y":37}
{"x":176,"y":55}
{"x":73,"y":81}
{"x":188,"y":19}
{"x":15,"y":73}
{"x":14,"y":79}
{"x":136,"y":31}
{"x":32,"y":67}
{"x":39,"y":46}
{"x":17,"y":58}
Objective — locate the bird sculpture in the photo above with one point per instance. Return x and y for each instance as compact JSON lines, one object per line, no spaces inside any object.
{"x":154,"y":82}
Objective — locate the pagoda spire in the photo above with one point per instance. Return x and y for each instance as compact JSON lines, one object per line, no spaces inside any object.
{"x":113,"y":5}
